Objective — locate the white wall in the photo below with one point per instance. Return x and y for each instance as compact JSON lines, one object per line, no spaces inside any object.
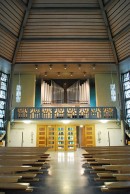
{"x":27,"y":92}
{"x":102,"y":89}
{"x":105,"y":130}
{"x":22,"y":135}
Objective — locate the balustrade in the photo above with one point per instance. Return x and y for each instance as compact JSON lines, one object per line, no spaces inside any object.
{"x":40,"y":113}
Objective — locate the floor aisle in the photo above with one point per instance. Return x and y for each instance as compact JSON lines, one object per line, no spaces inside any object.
{"x":66,"y":176}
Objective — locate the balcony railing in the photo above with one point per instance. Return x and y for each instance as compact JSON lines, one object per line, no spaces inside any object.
{"x":40,"y":113}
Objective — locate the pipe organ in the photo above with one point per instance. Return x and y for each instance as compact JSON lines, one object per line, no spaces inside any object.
{"x":84,"y":93}
{"x":54,"y":94}
{"x":46,"y":93}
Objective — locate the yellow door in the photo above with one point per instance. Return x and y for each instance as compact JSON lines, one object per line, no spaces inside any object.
{"x":60,"y":138}
{"x":51,"y":137}
{"x":70,"y":138}
{"x":41,"y":136}
{"x":88,"y":136}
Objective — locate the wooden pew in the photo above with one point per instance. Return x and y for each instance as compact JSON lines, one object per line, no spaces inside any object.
{"x":122,"y":177}
{"x":14,"y":186}
{"x":117,"y":168}
{"x":114,"y":186}
{"x":22,"y":163}
{"x":10,"y":178}
{"x":13,"y":169}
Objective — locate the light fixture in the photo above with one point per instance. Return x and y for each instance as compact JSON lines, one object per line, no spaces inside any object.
{"x":27,"y":121}
{"x":71,"y":74}
{"x":104,"y":121}
{"x":113,"y":92}
{"x":50,"y":66}
{"x":18,"y":91}
{"x":58,"y":74}
{"x":81,"y":126}
{"x":112,"y":86}
{"x":36,"y":66}
{"x":45,"y":74}
{"x":84,"y":74}
{"x":94,"y":66}
{"x":79,"y":65}
{"x":66,"y":121}
{"x":65,"y":66}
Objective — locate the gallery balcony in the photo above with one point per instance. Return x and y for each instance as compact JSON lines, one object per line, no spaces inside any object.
{"x":53,"y":113}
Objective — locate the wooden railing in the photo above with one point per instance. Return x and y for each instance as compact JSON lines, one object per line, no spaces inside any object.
{"x":39,"y":113}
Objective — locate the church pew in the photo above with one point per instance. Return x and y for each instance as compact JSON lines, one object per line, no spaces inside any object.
{"x":114,"y":186}
{"x":122,"y":177}
{"x":15,"y":186}
{"x":119,"y":168}
{"x":14,"y":169}
{"x":10,"y":178}
{"x":24,"y":163}
{"x":116,"y":166}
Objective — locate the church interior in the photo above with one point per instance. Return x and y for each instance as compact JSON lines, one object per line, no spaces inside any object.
{"x":65,"y":96}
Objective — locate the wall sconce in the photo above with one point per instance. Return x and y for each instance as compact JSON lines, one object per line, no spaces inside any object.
{"x":50,"y":66}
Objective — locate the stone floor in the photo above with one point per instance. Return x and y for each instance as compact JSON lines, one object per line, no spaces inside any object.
{"x":66,"y":176}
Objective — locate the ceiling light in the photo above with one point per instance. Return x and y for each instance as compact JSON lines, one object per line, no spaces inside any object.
{"x":84,"y":74}
{"x":65,"y":66}
{"x":79,"y":65}
{"x":27,"y":121}
{"x":71,"y":74}
{"x":36,"y":67}
{"x":103,"y":121}
{"x":81,"y":126}
{"x":50,"y":66}
{"x":45,"y":74}
{"x":58,"y":74}
{"x":93,"y":66}
{"x":66,"y":121}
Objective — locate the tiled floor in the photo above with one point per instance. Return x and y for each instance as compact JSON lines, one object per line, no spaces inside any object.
{"x":66,"y":176}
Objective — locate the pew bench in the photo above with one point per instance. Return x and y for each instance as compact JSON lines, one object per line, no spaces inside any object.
{"x":16,"y":186}
{"x":14,"y":169}
{"x":114,"y":186}
{"x":122,"y":177}
{"x":9,"y":178}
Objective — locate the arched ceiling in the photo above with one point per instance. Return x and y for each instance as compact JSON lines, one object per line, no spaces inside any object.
{"x":89,"y":36}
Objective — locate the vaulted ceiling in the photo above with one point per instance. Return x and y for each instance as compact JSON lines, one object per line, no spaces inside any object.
{"x":89,"y":36}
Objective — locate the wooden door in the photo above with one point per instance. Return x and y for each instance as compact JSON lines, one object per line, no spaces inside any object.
{"x":60,"y":138}
{"x":70,"y":138}
{"x":88,"y":136}
{"x":51,"y":137}
{"x":41,"y":136}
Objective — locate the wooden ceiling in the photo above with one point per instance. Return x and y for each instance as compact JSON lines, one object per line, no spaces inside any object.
{"x":86,"y":33}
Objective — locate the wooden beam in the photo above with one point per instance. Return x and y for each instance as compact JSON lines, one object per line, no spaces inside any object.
{"x":104,"y":14}
{"x":21,"y":31}
{"x":87,"y":63}
{"x":65,"y":6}
{"x":64,"y":38}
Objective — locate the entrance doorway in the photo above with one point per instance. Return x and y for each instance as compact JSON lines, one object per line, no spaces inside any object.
{"x":57,"y":137}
